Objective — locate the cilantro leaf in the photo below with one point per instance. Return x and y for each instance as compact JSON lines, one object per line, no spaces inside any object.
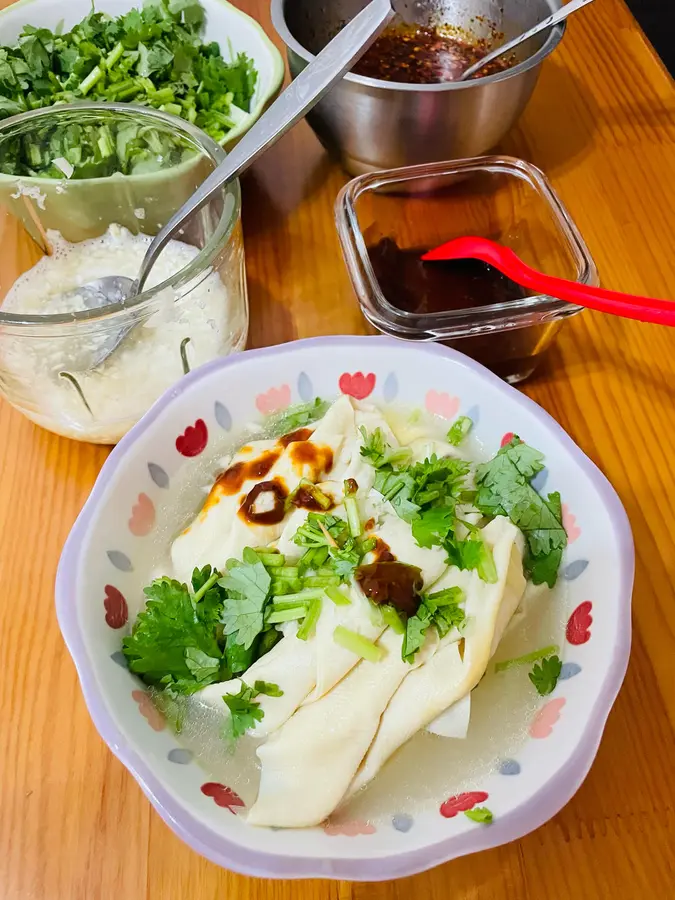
{"x":433,"y":526}
{"x":504,"y":489}
{"x":270,"y":690}
{"x":202,"y":666}
{"x":295,"y":417}
{"x":473,"y":553}
{"x":247,"y":585}
{"x":442,"y":610}
{"x":379,"y":453}
{"x":544,"y":675}
{"x":415,"y":633}
{"x":173,"y":640}
{"x":244,"y":713}
{"x":480,"y":814}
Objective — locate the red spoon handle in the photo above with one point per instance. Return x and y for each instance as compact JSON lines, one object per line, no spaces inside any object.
{"x":630,"y":306}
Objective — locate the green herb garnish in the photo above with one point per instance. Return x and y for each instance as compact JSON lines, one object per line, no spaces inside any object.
{"x":480,"y":814}
{"x":296,"y":417}
{"x":357,"y":644}
{"x":527,"y":659}
{"x":459,"y":430}
{"x":173,"y":642}
{"x":244,"y":711}
{"x":247,"y":584}
{"x":544,"y":675}
{"x":442,"y":610}
{"x":152,"y":56}
{"x":426,"y":495}
{"x":504,"y":489}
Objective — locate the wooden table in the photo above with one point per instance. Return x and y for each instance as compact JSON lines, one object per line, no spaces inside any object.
{"x":73,"y":823}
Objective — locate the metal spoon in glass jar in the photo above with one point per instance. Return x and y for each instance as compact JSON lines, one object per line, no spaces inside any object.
{"x":299,"y":97}
{"x":548,"y":22}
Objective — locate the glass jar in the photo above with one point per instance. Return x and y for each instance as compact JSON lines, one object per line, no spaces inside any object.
{"x":420,"y":207}
{"x":83,"y":189}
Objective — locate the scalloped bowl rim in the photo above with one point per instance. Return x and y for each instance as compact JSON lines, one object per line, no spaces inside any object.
{"x":518,"y":821}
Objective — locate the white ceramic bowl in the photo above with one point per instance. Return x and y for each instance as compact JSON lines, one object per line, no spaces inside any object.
{"x":104,"y":566}
{"x":230,"y":27}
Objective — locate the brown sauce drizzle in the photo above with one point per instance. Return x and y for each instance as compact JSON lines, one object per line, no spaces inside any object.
{"x":303,"y":499}
{"x":272,"y":516}
{"x":233,"y":479}
{"x":302,"y":434}
{"x":392,"y":582}
{"x":317,"y":457}
{"x":370,"y":524}
{"x":351,"y":486}
{"x":383,"y":552}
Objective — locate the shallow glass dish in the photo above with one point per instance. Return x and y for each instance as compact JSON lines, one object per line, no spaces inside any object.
{"x":497,"y":197}
{"x":58,"y":233}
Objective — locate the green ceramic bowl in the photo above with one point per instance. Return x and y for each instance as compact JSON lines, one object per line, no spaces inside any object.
{"x":77,"y":208}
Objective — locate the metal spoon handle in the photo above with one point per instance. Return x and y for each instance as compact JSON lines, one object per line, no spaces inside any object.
{"x":548,"y":22}
{"x":299,"y":97}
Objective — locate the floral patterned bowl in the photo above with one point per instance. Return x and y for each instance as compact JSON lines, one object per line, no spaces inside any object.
{"x":107,"y":560}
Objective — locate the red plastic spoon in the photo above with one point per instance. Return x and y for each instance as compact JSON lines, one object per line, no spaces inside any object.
{"x":644,"y":309}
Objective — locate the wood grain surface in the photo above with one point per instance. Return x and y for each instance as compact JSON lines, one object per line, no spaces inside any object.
{"x":73,"y":823}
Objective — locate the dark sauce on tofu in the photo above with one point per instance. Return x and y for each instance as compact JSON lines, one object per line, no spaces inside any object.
{"x":395,"y":583}
{"x":412,"y":54}
{"x":271,"y":515}
{"x":303,"y":498}
{"x":436,"y":287}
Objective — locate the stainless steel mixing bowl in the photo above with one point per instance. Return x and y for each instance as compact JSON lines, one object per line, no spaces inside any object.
{"x":371,"y":124}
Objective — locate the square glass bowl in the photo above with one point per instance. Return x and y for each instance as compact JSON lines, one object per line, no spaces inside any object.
{"x":501,"y":198}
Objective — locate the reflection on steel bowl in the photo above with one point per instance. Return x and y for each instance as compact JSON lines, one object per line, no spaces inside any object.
{"x":372,"y":124}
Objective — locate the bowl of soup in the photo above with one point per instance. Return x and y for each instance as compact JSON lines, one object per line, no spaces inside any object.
{"x":349,"y":608}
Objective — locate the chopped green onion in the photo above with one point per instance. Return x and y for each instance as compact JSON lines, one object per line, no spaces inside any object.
{"x":287,"y":615}
{"x":527,"y":659}
{"x":272,"y":560}
{"x":322,"y":580}
{"x":353,"y":519}
{"x":286,"y":586}
{"x":459,"y":430}
{"x":286,"y":604}
{"x":392,"y":619}
{"x":288,"y":572}
{"x":368,"y":545}
{"x":307,"y":628}
{"x":357,"y":644}
{"x":303,"y":596}
{"x":480,"y":814}
{"x":92,"y":78}
{"x":324,"y":501}
{"x":336,"y":595}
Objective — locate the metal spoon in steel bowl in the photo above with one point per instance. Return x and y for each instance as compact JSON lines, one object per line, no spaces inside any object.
{"x":548,"y":22}
{"x":302,"y":94}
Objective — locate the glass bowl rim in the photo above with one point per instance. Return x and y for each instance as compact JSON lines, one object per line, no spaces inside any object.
{"x":361,"y":272}
{"x":192,"y":270}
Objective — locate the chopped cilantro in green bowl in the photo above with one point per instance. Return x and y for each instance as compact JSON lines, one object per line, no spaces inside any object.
{"x":205,"y":62}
